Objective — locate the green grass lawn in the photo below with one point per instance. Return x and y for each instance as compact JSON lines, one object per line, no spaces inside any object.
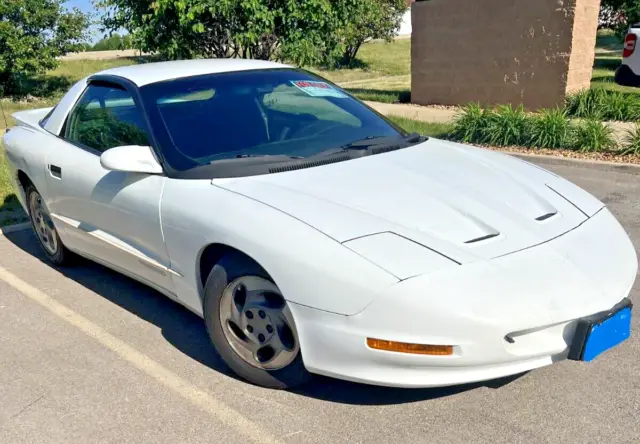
{"x":437,"y":130}
{"x":383,"y":72}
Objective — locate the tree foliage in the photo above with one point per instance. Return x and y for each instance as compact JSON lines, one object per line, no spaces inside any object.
{"x":367,"y":19}
{"x":620,"y":14}
{"x":33,"y":33}
{"x":302,"y":32}
{"x":114,"y":42}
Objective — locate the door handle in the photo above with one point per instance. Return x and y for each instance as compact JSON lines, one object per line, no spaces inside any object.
{"x":56,"y":171}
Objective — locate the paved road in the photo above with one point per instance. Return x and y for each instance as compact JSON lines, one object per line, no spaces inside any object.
{"x":87,"y":355}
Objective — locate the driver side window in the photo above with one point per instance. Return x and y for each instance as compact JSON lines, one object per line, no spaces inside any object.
{"x":105,"y":117}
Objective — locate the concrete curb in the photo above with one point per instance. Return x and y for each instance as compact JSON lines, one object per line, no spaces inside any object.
{"x":629,"y":168}
{"x":13,"y":228}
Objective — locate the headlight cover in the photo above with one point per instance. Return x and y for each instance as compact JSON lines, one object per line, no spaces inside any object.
{"x":398,"y":255}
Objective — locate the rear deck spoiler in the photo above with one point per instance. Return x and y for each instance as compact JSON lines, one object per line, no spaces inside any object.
{"x":31,"y":118}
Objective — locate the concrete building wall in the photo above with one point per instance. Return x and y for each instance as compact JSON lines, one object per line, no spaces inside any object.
{"x":501,"y":51}
{"x":585,"y":28}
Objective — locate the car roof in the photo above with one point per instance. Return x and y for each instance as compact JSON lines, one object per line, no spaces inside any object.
{"x":146,"y":73}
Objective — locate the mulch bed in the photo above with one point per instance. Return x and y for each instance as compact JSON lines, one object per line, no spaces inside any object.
{"x":607,"y":156}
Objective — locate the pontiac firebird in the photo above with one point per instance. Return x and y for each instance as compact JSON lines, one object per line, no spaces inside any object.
{"x":313,"y":235}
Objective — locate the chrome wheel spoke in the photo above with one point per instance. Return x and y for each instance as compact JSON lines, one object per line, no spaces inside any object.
{"x":232,"y":308}
{"x":257,"y":323}
{"x":281,"y":353}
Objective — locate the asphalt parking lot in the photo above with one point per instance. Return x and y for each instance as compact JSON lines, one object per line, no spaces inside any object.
{"x":89,"y":356}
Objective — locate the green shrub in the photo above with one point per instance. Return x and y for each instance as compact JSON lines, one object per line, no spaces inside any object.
{"x":506,"y":126}
{"x":550,"y":129}
{"x":599,"y":103}
{"x":470,"y":124}
{"x":632,"y":141}
{"x":592,"y":135}
{"x":621,"y":106}
{"x":586,"y":103}
{"x":33,"y":35}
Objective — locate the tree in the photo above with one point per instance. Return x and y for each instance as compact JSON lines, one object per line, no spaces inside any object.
{"x":620,"y":14}
{"x":33,"y":34}
{"x":113,"y":42}
{"x":367,"y":19}
{"x":328,"y":32}
{"x":300,"y":31}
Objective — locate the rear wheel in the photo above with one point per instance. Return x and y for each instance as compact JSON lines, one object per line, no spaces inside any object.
{"x":44,"y":229}
{"x":251,"y":326}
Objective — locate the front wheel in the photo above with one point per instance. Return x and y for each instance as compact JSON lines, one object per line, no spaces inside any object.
{"x":45,"y":231}
{"x":251,"y":326}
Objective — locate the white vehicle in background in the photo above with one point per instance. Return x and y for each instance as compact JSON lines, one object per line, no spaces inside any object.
{"x":315,"y":236}
{"x":628,"y":73}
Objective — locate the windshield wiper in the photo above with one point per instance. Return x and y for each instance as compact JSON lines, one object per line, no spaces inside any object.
{"x":272,"y":156}
{"x":374,"y":145}
{"x":383,"y":141}
{"x":249,"y":158}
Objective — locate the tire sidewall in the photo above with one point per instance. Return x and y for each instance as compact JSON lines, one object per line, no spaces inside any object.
{"x":224,"y":272}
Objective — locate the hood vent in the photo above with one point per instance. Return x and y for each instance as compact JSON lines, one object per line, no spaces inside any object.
{"x":311,"y":164}
{"x":482,"y":238}
{"x":546,"y":216}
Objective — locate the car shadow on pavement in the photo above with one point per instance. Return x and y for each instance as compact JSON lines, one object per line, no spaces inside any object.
{"x":186,"y":332}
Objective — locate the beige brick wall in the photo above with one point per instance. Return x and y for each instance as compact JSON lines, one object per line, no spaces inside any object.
{"x":501,"y":51}
{"x":583,"y":43}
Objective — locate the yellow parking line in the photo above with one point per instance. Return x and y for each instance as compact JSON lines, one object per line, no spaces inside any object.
{"x":223,"y":413}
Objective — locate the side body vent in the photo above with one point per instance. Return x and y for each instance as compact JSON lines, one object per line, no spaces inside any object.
{"x":303,"y":165}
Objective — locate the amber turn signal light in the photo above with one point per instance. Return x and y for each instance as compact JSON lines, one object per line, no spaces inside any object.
{"x":416,"y":349}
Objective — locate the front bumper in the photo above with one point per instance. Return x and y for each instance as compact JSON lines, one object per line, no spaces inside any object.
{"x":535,"y":296}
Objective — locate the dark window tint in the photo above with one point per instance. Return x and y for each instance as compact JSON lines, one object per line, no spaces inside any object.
{"x":105,"y":117}
{"x":205,"y":119}
{"x":45,"y":119}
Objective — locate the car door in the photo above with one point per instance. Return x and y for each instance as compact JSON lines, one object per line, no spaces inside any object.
{"x":110,"y":216}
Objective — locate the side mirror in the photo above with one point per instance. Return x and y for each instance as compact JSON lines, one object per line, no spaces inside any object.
{"x":131,"y":159}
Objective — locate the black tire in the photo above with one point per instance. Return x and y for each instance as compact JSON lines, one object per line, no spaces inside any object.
{"x":61,"y":256}
{"x":229,"y":268}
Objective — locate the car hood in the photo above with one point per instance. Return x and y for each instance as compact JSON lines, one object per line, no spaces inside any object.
{"x":464,"y":202}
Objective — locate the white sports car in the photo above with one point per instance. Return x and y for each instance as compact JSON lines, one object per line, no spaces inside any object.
{"x":315,"y":236}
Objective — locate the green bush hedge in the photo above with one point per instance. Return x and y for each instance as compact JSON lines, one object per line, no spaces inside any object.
{"x":632,"y":141}
{"x":602,"y":104}
{"x":551,"y":128}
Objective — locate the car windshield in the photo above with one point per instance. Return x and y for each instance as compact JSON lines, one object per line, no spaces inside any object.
{"x":276,"y":112}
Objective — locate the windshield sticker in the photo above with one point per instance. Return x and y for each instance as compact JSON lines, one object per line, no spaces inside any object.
{"x":318,"y":89}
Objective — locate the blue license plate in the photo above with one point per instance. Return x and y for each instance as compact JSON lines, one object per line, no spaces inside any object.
{"x":607,"y":334}
{"x":598,"y":333}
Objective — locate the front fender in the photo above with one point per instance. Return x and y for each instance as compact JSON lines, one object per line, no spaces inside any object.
{"x":309,"y":267}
